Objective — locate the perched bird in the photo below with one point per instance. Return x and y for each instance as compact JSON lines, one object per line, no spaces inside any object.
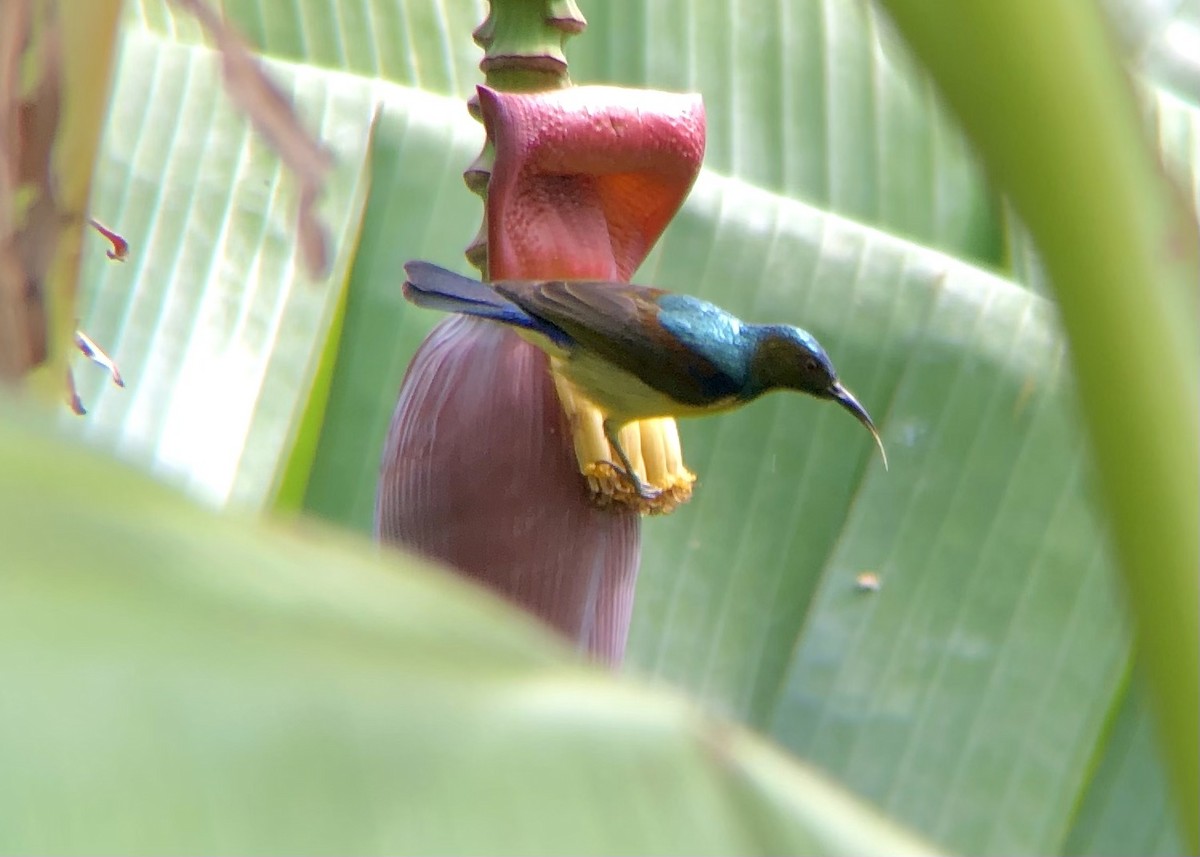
{"x":638,"y":352}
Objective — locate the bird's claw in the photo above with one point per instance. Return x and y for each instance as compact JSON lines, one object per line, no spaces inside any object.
{"x":639,"y":487}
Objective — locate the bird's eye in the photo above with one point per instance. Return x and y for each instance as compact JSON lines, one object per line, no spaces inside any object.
{"x":810,"y":364}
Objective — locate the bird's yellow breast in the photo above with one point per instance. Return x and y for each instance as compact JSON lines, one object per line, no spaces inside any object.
{"x":622,"y":395}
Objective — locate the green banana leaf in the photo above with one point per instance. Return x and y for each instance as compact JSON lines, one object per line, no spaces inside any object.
{"x":177,"y":681}
{"x":982,"y":695}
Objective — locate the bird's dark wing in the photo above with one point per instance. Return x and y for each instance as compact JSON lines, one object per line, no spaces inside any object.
{"x":620,"y":323}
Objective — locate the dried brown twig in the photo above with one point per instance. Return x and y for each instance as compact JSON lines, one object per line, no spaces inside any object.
{"x":272,"y":114}
{"x":30,"y":218}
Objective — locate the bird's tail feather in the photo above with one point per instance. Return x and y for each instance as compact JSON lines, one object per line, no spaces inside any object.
{"x":434,"y":287}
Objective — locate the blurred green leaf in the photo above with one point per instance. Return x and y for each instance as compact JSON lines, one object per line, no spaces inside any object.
{"x":1176,"y":123}
{"x":818,"y":101}
{"x":425,"y":44}
{"x":1127,"y":807}
{"x":180,"y":682}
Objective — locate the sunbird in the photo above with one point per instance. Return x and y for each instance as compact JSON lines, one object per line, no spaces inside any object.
{"x":638,"y":352}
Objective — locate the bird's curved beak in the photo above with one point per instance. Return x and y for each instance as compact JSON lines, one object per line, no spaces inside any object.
{"x":846,"y":399}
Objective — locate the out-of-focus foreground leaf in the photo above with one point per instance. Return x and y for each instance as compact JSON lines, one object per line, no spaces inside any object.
{"x":181,"y":682}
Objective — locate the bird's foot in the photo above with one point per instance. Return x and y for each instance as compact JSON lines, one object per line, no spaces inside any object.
{"x":640,"y":488}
